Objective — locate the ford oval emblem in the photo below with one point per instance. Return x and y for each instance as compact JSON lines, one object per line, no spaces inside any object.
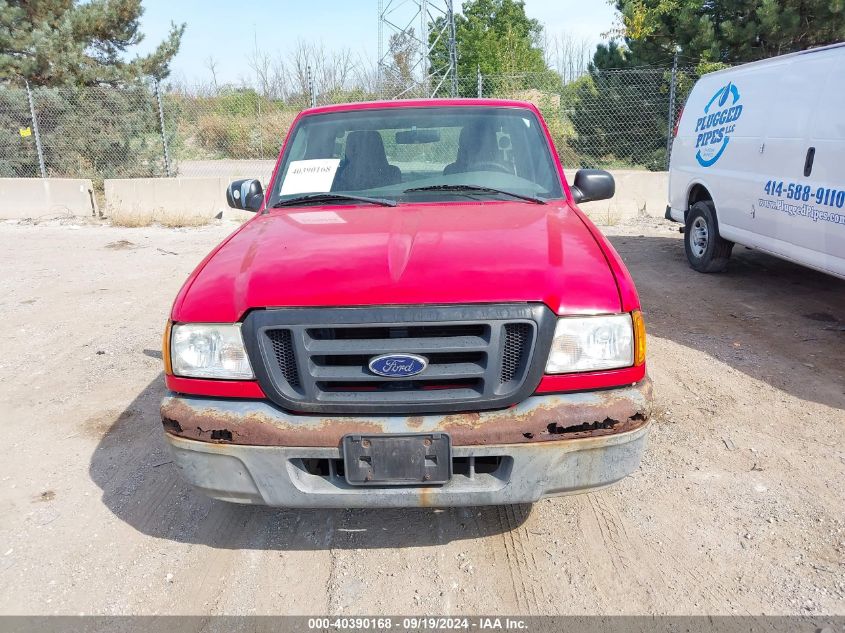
{"x":397,"y":365}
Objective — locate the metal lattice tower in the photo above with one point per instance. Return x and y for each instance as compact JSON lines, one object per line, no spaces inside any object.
{"x":413,"y":20}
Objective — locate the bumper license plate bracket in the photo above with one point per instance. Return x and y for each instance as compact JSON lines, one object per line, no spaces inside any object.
{"x":397,"y":459}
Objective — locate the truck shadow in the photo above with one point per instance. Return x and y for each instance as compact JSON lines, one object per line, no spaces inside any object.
{"x":775,"y":321}
{"x":141,"y":486}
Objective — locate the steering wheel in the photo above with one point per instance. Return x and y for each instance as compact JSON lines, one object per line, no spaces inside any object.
{"x":489,"y":165}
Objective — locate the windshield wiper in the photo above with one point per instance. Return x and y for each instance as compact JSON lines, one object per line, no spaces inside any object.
{"x":478,"y":189}
{"x":331,"y":197}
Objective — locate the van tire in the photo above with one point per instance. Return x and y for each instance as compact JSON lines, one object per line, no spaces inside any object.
{"x":706,"y":251}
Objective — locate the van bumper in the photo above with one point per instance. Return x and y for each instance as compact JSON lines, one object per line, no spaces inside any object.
{"x":583,"y":447}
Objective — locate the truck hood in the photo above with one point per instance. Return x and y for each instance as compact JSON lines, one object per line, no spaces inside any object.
{"x":442,"y":253}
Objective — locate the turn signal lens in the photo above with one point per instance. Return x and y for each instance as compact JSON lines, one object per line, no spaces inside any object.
{"x":165,"y":349}
{"x":639,"y":337}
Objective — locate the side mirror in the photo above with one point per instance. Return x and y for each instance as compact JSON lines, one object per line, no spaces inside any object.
{"x":592,"y":184}
{"x":245,"y":194}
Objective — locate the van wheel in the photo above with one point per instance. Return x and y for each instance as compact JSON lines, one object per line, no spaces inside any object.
{"x":706,"y":251}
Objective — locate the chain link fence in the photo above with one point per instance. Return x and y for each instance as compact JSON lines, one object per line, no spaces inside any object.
{"x":619,"y":119}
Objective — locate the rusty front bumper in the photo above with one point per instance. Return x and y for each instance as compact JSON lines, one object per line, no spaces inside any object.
{"x":252,"y":452}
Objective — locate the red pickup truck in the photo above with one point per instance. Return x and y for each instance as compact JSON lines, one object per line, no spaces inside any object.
{"x":417,"y":315}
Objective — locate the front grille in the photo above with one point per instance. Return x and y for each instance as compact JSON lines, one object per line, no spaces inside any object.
{"x":317,"y":360}
{"x":517,"y":347}
{"x":283,"y":351}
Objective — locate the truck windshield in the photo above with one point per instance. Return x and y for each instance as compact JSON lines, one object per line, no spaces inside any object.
{"x":414,"y":154}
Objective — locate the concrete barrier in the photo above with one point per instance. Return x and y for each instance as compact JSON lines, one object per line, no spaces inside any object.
{"x":166,"y":197}
{"x":638,"y":194}
{"x":46,"y":197}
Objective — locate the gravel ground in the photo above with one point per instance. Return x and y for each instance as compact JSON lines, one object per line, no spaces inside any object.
{"x":737,"y":508}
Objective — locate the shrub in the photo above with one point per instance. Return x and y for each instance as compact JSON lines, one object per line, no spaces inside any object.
{"x":92,"y":133}
{"x":240,"y":137}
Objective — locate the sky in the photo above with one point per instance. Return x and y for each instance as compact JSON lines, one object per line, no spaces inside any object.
{"x":226,"y":30}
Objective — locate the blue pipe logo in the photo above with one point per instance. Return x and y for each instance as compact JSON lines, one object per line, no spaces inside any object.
{"x":714,"y":129}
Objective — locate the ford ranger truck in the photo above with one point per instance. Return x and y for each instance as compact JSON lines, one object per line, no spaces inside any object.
{"x":418,"y":314}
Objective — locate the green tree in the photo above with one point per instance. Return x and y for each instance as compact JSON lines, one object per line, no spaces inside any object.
{"x":729,"y":31}
{"x":398,"y":74}
{"x":96,"y":117}
{"x":497,"y":37}
{"x":68,"y":42}
{"x":620,"y":110}
{"x":86,"y":132}
{"x":403,"y":49}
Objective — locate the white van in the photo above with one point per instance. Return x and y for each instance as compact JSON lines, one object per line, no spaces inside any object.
{"x":759,"y":160}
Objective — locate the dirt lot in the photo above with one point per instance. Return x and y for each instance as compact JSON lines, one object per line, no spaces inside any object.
{"x":739,"y":506}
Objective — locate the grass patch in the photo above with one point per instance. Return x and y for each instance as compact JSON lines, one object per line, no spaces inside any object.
{"x":169,"y":220}
{"x":609,"y":218}
{"x":605,"y":217}
{"x":131,"y":220}
{"x":173,"y":221}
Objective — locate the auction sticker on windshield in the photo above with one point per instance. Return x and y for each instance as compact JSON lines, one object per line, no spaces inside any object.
{"x":309,"y":176}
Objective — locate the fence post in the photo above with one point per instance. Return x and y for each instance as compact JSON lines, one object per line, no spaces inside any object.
{"x":161,"y":128}
{"x":36,"y":130}
{"x":260,"y":134}
{"x":480,"y":82}
{"x":453,"y":48}
{"x":671,"y":118}
{"x":311,"y":91}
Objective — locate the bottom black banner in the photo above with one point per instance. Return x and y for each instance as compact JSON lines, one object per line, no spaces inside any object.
{"x":328,"y":624}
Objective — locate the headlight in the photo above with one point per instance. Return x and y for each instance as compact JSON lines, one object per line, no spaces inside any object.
{"x":591,"y":344}
{"x":199,"y":350}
